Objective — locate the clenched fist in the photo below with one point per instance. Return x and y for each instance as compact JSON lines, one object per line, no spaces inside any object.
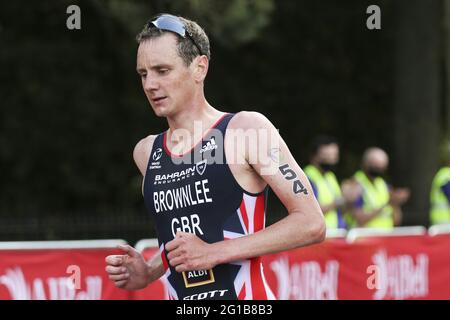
{"x":187,"y":252}
{"x":128,"y":271}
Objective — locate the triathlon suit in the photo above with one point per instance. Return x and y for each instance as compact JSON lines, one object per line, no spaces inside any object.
{"x":197,"y":193}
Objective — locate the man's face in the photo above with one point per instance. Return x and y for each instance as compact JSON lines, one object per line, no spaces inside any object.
{"x":167,"y":82}
{"x":328,"y":154}
{"x":377,"y":163}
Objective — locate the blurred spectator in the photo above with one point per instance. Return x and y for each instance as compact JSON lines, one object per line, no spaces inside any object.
{"x":320,"y":172}
{"x":440,"y":195}
{"x":379,"y":205}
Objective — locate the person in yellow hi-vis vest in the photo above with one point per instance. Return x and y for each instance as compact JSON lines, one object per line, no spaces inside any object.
{"x":379,"y":206}
{"x":440,"y":196}
{"x":320,"y":172}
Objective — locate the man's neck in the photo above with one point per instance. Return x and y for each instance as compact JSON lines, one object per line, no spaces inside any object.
{"x":194,"y":122}
{"x":371,"y":179}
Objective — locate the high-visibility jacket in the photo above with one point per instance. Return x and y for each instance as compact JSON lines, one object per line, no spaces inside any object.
{"x":440,"y":209}
{"x":328,"y":191}
{"x":376,"y":195}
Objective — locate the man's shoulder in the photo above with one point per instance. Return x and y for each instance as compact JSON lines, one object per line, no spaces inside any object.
{"x":142,"y":151}
{"x":443,"y":173}
{"x":144,"y":146}
{"x":249,"y":120}
{"x":146,"y":142}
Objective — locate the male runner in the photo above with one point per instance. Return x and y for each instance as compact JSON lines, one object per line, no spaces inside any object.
{"x":209,"y":214}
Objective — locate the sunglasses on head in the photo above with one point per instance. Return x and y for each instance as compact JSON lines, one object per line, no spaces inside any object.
{"x":168,"y":22}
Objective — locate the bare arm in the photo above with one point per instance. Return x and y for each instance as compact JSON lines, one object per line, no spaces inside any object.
{"x":141,"y":154}
{"x":155,"y":268}
{"x":398,"y":215}
{"x":332,"y":206}
{"x":363,"y":218}
{"x":397,"y":198}
{"x":303,"y":226}
{"x":130,"y":271}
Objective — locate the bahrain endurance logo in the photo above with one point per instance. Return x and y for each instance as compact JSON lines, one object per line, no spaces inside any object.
{"x":157,"y":154}
{"x":200,"y":167}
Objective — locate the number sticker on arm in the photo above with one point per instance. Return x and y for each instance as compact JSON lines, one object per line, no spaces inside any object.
{"x":289,"y":175}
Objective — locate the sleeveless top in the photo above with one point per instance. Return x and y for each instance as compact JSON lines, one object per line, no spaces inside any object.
{"x":197,"y":193}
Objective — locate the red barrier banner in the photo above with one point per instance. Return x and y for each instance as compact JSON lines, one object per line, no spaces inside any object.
{"x":57,"y":274}
{"x":375,"y":268}
{"x":384,"y":268}
{"x":401,"y":267}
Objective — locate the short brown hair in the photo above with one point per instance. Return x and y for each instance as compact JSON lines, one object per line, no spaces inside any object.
{"x":187,"y":50}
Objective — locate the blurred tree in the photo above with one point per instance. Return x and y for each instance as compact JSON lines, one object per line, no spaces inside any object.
{"x":446,"y":117}
{"x":417,"y":130}
{"x":229,"y":22}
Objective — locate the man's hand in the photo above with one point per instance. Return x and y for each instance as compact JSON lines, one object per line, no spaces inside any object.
{"x":187,"y":252}
{"x":399,"y":196}
{"x":128,"y":271}
{"x":351,"y":190}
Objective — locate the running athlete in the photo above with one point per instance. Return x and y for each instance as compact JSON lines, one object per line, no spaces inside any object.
{"x":206,"y":189}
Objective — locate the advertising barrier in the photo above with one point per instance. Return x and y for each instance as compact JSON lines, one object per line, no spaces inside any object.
{"x":370,"y":267}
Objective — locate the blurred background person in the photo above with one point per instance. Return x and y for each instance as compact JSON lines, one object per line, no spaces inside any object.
{"x":379,"y":205}
{"x":324,"y":158}
{"x":440,"y":195}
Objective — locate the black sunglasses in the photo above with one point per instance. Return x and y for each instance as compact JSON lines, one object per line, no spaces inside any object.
{"x":172,"y":23}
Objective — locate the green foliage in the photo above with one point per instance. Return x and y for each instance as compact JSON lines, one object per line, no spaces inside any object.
{"x":230,"y":23}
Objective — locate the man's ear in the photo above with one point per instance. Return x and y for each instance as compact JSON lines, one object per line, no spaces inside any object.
{"x":201,"y":65}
